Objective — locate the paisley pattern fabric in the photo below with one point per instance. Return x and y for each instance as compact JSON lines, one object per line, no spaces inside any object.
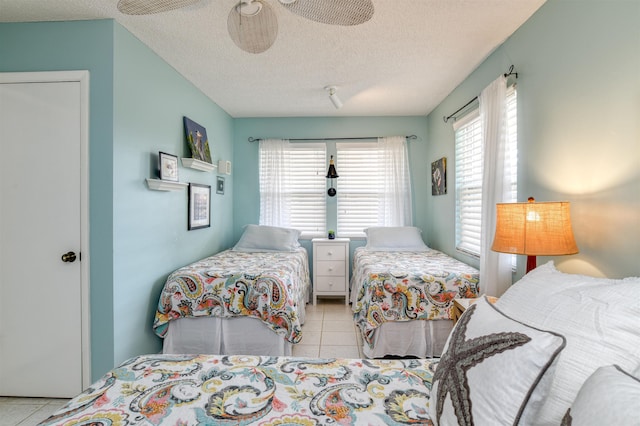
{"x":267,"y":286}
{"x":260,"y":390}
{"x":404,"y":286}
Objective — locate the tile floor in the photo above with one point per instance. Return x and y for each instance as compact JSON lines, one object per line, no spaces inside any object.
{"x":328,"y":331}
{"x":27,"y":411}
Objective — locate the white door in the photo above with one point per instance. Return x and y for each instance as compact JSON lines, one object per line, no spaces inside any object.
{"x":43,"y":289}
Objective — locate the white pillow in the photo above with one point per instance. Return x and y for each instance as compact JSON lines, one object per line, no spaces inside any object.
{"x":491,"y":369}
{"x":599,"y":317}
{"x":259,"y":238}
{"x":610,"y":396}
{"x":395,"y":238}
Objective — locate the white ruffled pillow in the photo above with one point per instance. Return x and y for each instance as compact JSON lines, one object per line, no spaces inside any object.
{"x":395,"y":238}
{"x":597,"y":316}
{"x":260,"y":238}
{"x":610,"y":396}
{"x":491,"y":369}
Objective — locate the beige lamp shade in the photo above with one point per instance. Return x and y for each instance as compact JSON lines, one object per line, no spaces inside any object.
{"x":534,"y":229}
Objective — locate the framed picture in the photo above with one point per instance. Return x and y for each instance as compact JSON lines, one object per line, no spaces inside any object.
{"x":199,"y":206}
{"x":439,"y":177}
{"x":197,"y":140}
{"x":168,"y":166}
{"x":220,"y":185}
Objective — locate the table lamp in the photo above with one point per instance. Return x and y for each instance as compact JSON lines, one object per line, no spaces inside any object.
{"x":534,"y":229}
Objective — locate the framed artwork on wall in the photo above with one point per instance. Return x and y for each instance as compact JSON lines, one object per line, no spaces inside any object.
{"x":168,"y":166}
{"x":199,"y":206}
{"x":439,"y":177}
{"x":197,"y":140}
{"x":220,"y":185}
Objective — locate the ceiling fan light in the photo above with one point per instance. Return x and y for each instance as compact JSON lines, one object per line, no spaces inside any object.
{"x":253,"y":34}
{"x":249,"y":8}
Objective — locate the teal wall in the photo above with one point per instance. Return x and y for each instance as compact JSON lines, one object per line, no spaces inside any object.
{"x":246,"y":205}
{"x":150,"y":227}
{"x":138,"y":236}
{"x":578,"y":129}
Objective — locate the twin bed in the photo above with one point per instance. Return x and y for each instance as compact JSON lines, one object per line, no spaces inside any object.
{"x":402,"y":300}
{"x":247,"y":300}
{"x":402,"y":293}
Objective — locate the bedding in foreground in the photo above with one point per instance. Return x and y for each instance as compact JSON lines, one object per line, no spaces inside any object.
{"x":265,"y":285}
{"x":240,"y":390}
{"x":403,"y":286}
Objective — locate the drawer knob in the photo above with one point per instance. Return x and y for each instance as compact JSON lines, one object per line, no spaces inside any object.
{"x":331,"y":269}
{"x":330,"y":283}
{"x":330,"y":253}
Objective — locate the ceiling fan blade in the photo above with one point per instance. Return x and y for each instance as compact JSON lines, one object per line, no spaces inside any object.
{"x":253,"y":32}
{"x":333,"y":12}
{"x":148,"y":7}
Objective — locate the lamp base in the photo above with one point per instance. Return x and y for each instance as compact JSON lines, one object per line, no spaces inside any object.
{"x":531,"y":263}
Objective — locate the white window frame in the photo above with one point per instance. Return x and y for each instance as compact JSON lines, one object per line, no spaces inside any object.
{"x":303,"y":188}
{"x":469,"y":165}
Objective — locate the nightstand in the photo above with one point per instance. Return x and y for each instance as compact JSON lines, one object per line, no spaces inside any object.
{"x":331,"y":268}
{"x":461,"y":305}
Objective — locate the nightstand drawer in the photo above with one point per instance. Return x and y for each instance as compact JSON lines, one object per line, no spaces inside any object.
{"x":329,"y":267}
{"x":329,"y":284}
{"x":331,"y":252}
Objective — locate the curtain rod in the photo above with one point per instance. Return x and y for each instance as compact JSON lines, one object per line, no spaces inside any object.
{"x":507,"y":74}
{"x":251,"y":139}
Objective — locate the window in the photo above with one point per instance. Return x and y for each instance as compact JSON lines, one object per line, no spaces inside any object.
{"x":374,"y":188}
{"x":469,"y":165}
{"x":360,"y":187}
{"x":292,"y":186}
{"x":374,"y":185}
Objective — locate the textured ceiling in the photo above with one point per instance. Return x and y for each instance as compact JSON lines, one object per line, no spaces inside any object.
{"x":404,"y":61}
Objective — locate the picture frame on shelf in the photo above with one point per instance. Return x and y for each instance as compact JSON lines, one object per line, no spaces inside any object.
{"x":197,"y":140}
{"x":199,"y":206}
{"x":220,"y":185}
{"x":168,"y":165}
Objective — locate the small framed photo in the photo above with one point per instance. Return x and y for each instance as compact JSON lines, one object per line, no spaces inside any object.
{"x":199,"y":206}
{"x":439,"y":177}
{"x":220,"y":185}
{"x":168,"y":167}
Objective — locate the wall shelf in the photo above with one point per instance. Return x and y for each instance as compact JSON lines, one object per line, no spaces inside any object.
{"x":165,"y":185}
{"x":203,"y":166}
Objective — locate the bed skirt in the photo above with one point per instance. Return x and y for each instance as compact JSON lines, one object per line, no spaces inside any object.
{"x":422,"y":339}
{"x":211,"y":335}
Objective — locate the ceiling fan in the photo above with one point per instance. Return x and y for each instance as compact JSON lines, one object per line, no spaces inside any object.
{"x":253,"y":25}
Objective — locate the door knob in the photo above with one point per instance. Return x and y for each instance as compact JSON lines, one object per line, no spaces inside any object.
{"x":69,"y":257}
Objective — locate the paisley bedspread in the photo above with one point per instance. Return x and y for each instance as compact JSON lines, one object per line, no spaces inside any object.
{"x":259,"y":390}
{"x":265,"y":285}
{"x":404,"y":286}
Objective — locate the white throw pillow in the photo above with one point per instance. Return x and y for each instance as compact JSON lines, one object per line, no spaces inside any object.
{"x":395,"y":238}
{"x":610,"y":396}
{"x":257,"y":238}
{"x":599,"y":317}
{"x":490,"y":369}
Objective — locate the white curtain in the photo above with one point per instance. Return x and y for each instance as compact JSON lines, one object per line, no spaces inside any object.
{"x":397,"y":182}
{"x":274,"y":208}
{"x":495,"y":268}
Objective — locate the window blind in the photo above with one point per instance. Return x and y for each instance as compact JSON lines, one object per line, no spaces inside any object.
{"x":469,"y":167}
{"x":360,"y":203}
{"x":303,"y":187}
